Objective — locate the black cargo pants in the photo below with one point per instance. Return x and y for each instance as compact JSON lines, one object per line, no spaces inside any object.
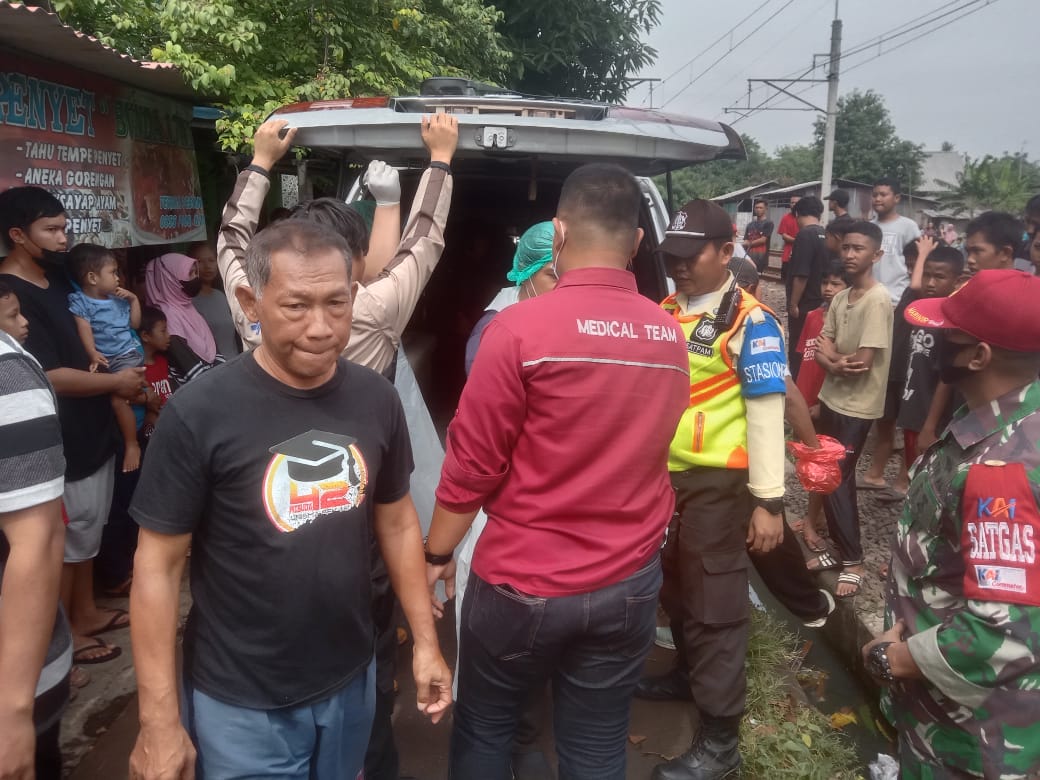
{"x":705,"y":591}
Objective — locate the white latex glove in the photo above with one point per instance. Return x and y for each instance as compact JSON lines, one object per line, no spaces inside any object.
{"x":384,"y":183}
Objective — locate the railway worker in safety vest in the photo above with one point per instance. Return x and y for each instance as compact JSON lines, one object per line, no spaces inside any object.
{"x":727,"y":469}
{"x":961,"y":656}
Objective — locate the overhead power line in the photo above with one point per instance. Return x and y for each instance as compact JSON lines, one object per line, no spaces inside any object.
{"x":965,"y":9}
{"x":704,"y":72}
{"x":711,"y":46}
{"x":902,"y":28}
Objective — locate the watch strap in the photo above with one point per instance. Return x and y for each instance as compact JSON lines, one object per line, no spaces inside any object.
{"x":880,"y":667}
{"x":772,"y":505}
{"x":433,"y":558}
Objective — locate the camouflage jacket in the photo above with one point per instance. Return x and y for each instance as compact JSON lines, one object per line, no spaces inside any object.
{"x":965,"y":577}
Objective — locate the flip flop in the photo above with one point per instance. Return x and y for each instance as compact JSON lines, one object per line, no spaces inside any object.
{"x":825,"y":562}
{"x":862,"y":484}
{"x":114,"y":623}
{"x":849,"y":578}
{"x":112,"y":654}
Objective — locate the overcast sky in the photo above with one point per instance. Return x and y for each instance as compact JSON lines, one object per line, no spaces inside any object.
{"x":973,"y":83}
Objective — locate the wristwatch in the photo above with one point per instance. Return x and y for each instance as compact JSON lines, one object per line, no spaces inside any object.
{"x":775,"y":506}
{"x":877,"y":662}
{"x":432,"y":558}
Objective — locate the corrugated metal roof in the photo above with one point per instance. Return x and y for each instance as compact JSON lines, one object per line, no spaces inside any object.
{"x":742,"y":192}
{"x":809,"y":184}
{"x":38,"y":32}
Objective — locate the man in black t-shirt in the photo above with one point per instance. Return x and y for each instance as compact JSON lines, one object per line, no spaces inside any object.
{"x":277,"y":468}
{"x":804,"y":273}
{"x":757,"y":236}
{"x":32,"y":227}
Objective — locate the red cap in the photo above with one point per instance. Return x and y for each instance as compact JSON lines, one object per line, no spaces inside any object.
{"x":993,"y":306}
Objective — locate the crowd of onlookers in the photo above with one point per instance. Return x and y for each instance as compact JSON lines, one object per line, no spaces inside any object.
{"x":901,"y":386}
{"x":115,"y":343}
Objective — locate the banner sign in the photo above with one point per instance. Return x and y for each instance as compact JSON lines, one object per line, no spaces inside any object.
{"x":121,"y":160}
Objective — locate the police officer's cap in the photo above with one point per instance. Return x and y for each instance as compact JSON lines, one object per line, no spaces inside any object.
{"x":693,"y":226}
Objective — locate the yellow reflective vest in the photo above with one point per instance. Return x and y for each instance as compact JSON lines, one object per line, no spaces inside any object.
{"x":713,"y":430}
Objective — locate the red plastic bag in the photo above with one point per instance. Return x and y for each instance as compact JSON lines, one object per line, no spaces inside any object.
{"x":818,"y":469}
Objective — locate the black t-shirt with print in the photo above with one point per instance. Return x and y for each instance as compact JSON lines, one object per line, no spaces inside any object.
{"x":88,"y":428}
{"x":903,"y":341}
{"x":921,"y":380}
{"x":278,"y":487}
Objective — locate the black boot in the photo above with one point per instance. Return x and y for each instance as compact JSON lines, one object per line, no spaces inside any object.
{"x":673,"y":685}
{"x":714,"y":754}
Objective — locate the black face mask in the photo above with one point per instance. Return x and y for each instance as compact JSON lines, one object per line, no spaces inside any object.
{"x":946,"y":353}
{"x":51,"y":259}
{"x":192,"y":287}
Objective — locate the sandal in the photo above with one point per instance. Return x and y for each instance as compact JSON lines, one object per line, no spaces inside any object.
{"x":80,"y":656}
{"x":115,"y":623}
{"x":824,"y":562}
{"x":849,"y":578}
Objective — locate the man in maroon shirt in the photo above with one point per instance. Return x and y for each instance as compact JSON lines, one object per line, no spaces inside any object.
{"x":562,"y":436}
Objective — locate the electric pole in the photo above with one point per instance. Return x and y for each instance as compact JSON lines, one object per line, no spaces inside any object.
{"x":832,"y":111}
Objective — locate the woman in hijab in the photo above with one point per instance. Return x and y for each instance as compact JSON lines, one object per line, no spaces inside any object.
{"x":171,"y":281}
{"x":533,"y":274}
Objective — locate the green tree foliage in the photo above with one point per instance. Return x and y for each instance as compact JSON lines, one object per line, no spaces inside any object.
{"x":866,"y":146}
{"x":1002,"y":183}
{"x":721,"y":176}
{"x":578,"y":48}
{"x":795,"y":164}
{"x":254,"y":55}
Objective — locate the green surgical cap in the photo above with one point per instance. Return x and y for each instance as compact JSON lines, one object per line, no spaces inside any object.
{"x":367,"y":210}
{"x":532,"y":253}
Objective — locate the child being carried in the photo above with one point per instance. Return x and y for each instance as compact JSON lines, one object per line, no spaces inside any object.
{"x":106,"y":316}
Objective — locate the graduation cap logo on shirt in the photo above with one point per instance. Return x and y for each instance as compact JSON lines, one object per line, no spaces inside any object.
{"x":313,"y":474}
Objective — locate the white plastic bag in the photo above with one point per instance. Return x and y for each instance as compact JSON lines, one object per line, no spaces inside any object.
{"x":426,"y":445}
{"x":885,"y":768}
{"x":429,"y":458}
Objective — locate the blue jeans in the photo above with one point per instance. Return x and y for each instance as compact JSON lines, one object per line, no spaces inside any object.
{"x":592,"y":646}
{"x":325,"y":740}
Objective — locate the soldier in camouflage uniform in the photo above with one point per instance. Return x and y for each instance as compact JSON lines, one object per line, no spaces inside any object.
{"x":961,"y":656}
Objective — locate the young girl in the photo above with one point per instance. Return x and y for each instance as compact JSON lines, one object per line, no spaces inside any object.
{"x":106,"y":315}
